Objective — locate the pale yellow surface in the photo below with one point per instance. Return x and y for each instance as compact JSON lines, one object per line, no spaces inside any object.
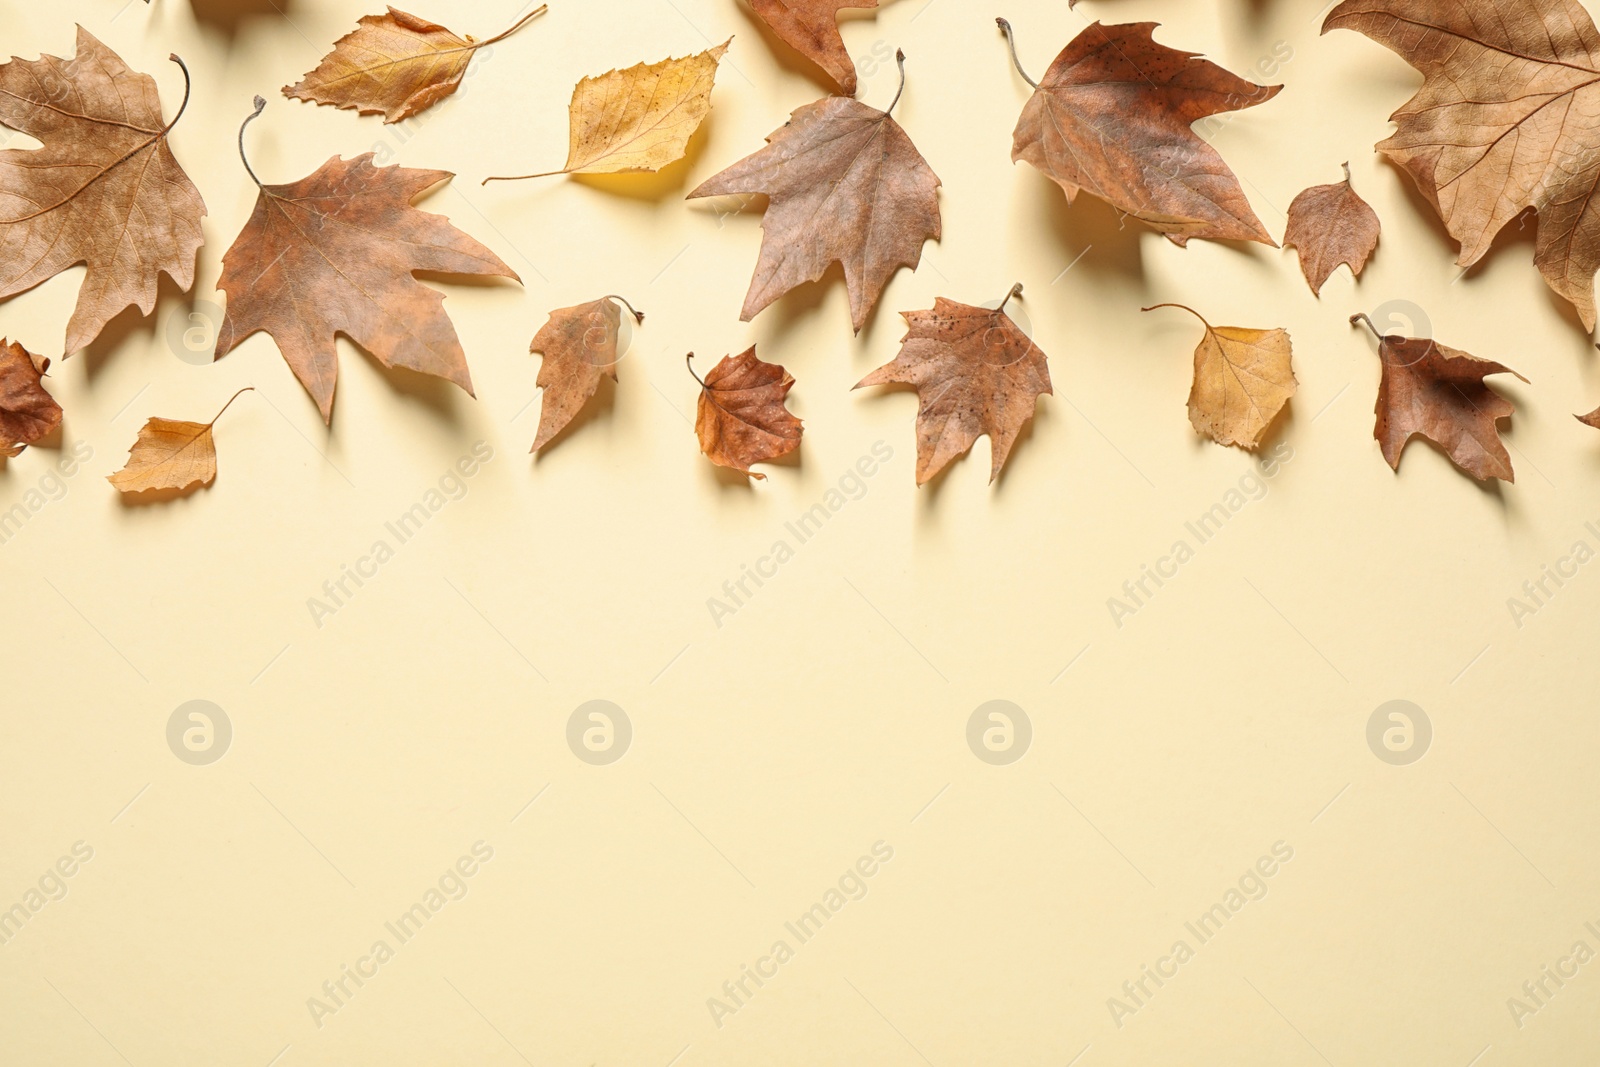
{"x":829,"y":712}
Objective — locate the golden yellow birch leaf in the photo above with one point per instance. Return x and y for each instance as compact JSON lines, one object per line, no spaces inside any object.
{"x":1242,"y":380}
{"x":171,"y":455}
{"x":639,"y":119}
{"x":395,"y":65}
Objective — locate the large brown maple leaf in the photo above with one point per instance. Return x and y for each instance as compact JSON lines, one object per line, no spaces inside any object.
{"x":1508,"y":118}
{"x":846,"y":185}
{"x":1112,"y":117}
{"x":812,"y":28}
{"x":104,"y":190}
{"x":335,"y":253}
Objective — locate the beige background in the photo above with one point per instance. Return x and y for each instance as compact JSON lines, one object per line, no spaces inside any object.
{"x":830,"y":712}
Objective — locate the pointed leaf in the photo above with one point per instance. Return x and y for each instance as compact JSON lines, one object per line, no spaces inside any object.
{"x":741,"y":418}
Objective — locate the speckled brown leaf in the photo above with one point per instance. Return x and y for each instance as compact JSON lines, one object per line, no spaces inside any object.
{"x":1112,"y":117}
{"x":27,"y":412}
{"x":171,"y":455}
{"x":104,"y":190}
{"x":1591,"y":419}
{"x":395,"y":65}
{"x":1330,"y":225}
{"x":812,"y":28}
{"x":1439,"y":393}
{"x":741,"y":418}
{"x":1243,"y":379}
{"x":579,"y":345}
{"x":846,"y":185}
{"x":335,"y":253}
{"x":975,"y":373}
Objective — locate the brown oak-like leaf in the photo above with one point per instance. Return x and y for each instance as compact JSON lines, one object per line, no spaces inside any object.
{"x":336,"y":253}
{"x":1506,"y":120}
{"x":27,"y":412}
{"x":975,"y":373}
{"x":1243,"y":379}
{"x":1330,"y":225}
{"x":741,"y":418}
{"x":811,"y":27}
{"x":846,"y":185}
{"x":104,"y":190}
{"x":579,"y":345}
{"x":395,"y":65}
{"x":1112,"y":117}
{"x":1439,"y":393}
{"x":171,"y":455}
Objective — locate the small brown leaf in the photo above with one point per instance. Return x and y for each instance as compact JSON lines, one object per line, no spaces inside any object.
{"x":812,"y":28}
{"x":975,"y":372}
{"x":171,"y":455}
{"x":741,"y":418}
{"x":1330,"y":225}
{"x":579,"y":345}
{"x":1591,"y":419}
{"x":395,"y":65}
{"x":1113,"y":115}
{"x":1243,"y":378}
{"x":27,"y":412}
{"x":846,"y":185}
{"x":1439,"y":393}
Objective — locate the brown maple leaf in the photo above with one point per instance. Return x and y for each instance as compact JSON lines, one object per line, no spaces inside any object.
{"x":27,"y":412}
{"x":1112,"y":117}
{"x":395,"y":65}
{"x":335,"y":253}
{"x":1243,"y":379}
{"x":811,"y":27}
{"x":104,"y":190}
{"x":1330,"y":225}
{"x":741,"y":419}
{"x":975,"y":373}
{"x":579,"y":345}
{"x":1505,"y":121}
{"x":171,"y":455}
{"x":846,"y":185}
{"x":1439,"y":393}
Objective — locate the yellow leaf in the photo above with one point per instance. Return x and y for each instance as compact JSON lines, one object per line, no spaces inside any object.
{"x":1242,"y":380}
{"x":171,"y":455}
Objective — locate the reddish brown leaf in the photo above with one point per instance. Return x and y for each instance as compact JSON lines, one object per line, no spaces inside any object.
{"x":847,"y":186}
{"x":1112,"y":117}
{"x":104,"y":190}
{"x":27,"y":412}
{"x":975,"y":372}
{"x":1330,"y":225}
{"x":1439,"y":393}
{"x":812,"y":28}
{"x":579,"y":345}
{"x":741,"y":418}
{"x":335,"y":253}
{"x":1591,"y":419}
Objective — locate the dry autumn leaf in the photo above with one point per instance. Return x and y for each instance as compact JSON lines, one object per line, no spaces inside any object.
{"x":741,"y":419}
{"x":579,"y":345}
{"x":1505,"y":121}
{"x":336,"y":253}
{"x":639,"y":119}
{"x":1330,"y":225}
{"x":104,"y":190}
{"x":1242,"y":381}
{"x":1591,"y":419}
{"x":395,"y":65}
{"x":171,"y":455}
{"x":1439,"y":393}
{"x":845,"y":185}
{"x":1112,"y":117}
{"x":811,"y":27}
{"x":27,"y":412}
{"x":975,"y":373}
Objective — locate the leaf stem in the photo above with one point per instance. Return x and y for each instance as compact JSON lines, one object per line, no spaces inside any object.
{"x":1016,"y":290}
{"x":688,"y":361}
{"x":229,"y":404}
{"x":1185,"y":307}
{"x":529,"y":17}
{"x":900,"y":58}
{"x":638,"y":315}
{"x":524,"y":177}
{"x":1005,"y":27}
{"x":187,"y":85}
{"x":1346,"y":166}
{"x":260,"y":106}
{"x":1361,"y":316}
